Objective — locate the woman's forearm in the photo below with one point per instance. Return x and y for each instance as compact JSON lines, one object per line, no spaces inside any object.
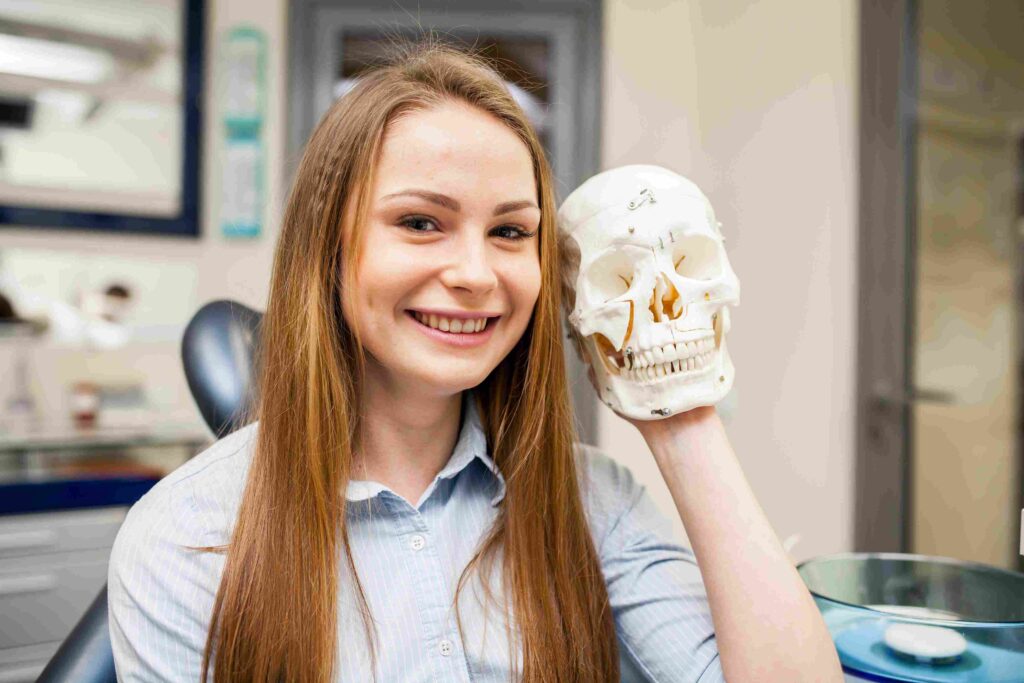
{"x":766,"y":624}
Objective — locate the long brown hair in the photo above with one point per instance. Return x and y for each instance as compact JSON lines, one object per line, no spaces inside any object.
{"x":275,"y":613}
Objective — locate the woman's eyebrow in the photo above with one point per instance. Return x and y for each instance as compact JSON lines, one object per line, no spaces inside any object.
{"x":453,"y":205}
{"x":509,"y":207}
{"x":433,"y":197}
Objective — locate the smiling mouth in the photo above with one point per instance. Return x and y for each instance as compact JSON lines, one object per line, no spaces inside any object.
{"x":453,"y":325}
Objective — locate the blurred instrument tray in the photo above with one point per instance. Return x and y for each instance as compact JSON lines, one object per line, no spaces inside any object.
{"x":59,"y":466}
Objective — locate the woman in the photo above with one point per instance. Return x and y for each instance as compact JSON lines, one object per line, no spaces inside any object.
{"x":412,"y":358}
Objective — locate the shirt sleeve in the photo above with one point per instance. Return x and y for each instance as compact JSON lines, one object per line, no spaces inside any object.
{"x":654,"y":585}
{"x":160,"y":592}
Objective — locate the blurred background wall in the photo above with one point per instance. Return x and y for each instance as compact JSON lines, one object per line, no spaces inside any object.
{"x":210,"y":267}
{"x":755,"y":102}
{"x":681,"y":87}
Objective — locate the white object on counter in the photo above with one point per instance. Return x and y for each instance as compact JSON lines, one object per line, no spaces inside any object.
{"x":927,"y":644}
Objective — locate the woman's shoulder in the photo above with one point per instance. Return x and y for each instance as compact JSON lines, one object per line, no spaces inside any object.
{"x":604,"y":477}
{"x":161,"y":585}
{"x":197,"y":503}
{"x":608,"y":487}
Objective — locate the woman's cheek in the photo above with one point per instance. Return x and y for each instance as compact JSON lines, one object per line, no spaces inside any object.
{"x":531,"y":279}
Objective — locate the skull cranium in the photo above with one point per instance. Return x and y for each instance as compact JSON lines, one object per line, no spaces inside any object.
{"x":651,"y":292}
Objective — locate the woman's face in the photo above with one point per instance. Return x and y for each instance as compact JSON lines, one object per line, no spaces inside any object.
{"x":450,"y":268}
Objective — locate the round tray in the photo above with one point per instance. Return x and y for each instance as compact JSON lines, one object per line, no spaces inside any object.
{"x":862,"y":595}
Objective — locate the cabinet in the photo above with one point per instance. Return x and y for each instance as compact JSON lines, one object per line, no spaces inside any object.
{"x":51,"y":567}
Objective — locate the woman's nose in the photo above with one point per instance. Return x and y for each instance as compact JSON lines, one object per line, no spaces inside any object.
{"x":470,"y":267}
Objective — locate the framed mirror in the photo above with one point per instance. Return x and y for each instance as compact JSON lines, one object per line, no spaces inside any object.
{"x":100,"y":115}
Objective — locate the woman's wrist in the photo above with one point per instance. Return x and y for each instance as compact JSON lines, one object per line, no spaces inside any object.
{"x":682,"y":432}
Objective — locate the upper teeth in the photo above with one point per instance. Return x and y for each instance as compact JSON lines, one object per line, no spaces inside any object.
{"x":666,"y":360}
{"x":456,"y":325}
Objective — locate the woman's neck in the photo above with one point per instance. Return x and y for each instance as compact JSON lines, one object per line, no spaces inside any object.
{"x":406,"y":438}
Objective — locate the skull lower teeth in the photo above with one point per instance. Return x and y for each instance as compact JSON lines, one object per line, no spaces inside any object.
{"x":696,"y":363}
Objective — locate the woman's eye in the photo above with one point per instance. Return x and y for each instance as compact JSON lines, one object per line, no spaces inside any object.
{"x":424,"y":225}
{"x":416,"y":223}
{"x":514,"y":232}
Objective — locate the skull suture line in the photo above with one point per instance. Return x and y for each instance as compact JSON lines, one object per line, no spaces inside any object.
{"x":652,"y":290}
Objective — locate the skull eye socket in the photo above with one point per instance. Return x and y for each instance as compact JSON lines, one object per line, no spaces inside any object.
{"x":696,"y":257}
{"x":609,"y":276}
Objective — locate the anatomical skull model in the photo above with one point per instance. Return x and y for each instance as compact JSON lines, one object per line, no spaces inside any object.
{"x":652,"y":290}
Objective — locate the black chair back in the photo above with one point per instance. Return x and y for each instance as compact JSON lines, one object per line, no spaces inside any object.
{"x":217,"y":352}
{"x":85,"y":654}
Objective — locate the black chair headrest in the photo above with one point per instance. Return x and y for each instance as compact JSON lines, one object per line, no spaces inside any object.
{"x":217,"y":351}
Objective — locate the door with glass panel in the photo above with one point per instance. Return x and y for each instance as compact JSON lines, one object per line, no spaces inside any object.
{"x":965,"y":184}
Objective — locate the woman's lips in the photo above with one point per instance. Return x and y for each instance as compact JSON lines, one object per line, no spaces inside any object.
{"x":459,"y":339}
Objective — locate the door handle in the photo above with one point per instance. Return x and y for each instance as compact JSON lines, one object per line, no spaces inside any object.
{"x":886,"y":398}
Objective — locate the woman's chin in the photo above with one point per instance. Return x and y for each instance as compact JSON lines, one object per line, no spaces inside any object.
{"x":447,"y":380}
{"x":455,"y":383}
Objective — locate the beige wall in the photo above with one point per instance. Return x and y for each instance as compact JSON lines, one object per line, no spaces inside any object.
{"x":755,"y":102}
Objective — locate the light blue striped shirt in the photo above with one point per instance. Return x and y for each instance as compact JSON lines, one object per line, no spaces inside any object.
{"x":409,"y":558}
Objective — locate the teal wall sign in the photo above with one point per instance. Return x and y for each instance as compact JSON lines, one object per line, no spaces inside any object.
{"x":242,"y":162}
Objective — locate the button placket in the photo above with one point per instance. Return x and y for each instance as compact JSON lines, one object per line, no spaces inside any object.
{"x":430,"y":597}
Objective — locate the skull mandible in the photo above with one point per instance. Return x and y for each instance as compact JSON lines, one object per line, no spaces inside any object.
{"x":652,"y":290}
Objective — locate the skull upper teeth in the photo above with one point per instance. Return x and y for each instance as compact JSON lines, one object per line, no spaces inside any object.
{"x":454,"y":325}
{"x":662,"y":361}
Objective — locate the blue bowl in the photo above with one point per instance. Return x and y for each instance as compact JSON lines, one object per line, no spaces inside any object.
{"x":862,"y":595}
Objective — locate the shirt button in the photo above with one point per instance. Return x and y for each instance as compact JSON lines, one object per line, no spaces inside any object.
{"x":417,"y":542}
{"x":446,"y":647}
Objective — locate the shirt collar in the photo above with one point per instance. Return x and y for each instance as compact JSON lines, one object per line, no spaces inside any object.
{"x":471,"y":444}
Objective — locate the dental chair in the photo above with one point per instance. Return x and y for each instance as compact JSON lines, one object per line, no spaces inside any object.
{"x":217,"y":353}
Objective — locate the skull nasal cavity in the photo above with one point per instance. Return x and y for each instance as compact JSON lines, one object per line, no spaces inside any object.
{"x":665,"y":303}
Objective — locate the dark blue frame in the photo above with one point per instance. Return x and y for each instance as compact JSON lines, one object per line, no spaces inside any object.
{"x":186,"y":223}
{"x":72,"y":494}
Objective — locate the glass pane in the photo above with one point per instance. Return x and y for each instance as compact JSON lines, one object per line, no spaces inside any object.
{"x":90,"y":106}
{"x":524,"y":62}
{"x":965,"y":473}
